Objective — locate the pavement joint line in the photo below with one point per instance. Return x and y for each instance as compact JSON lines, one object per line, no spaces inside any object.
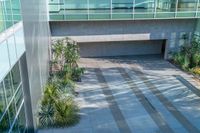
{"x":169,"y":106}
{"x":153,"y":113}
{"x":188,"y":84}
{"x":116,"y":112}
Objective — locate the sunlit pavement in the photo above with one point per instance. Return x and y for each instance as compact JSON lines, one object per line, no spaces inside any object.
{"x":135,"y":95}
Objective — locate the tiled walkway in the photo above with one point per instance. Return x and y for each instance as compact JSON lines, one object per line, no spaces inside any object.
{"x":135,"y":95}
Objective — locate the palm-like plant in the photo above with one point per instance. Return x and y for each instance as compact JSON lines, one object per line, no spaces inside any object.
{"x":57,"y":105}
{"x":46,"y":116}
{"x":66,"y":113}
{"x":51,"y":92}
{"x":71,"y":53}
{"x":57,"y":52}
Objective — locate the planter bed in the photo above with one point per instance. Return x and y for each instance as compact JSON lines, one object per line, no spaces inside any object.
{"x":195,"y":76}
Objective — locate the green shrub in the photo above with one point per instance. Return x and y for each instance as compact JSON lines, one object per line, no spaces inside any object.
{"x":189,"y":55}
{"x":57,"y":107}
{"x":196,"y":70}
{"x":56,"y":81}
{"x":64,"y":52}
{"x":57,"y":101}
{"x":71,"y":53}
{"x":69,"y":86}
{"x":4,"y":126}
{"x":46,"y":116}
{"x":73,"y":73}
{"x":67,"y":72}
{"x":77,"y":73}
{"x":196,"y":59}
{"x":51,"y":92}
{"x":64,"y":85}
{"x":178,"y":58}
{"x":66,"y":113}
{"x":186,"y":63}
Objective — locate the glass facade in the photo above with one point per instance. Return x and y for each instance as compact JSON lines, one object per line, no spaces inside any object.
{"x":12,"y":113}
{"x":10,"y":13}
{"x":69,"y":10}
{"x":11,"y":41}
{"x":11,"y":50}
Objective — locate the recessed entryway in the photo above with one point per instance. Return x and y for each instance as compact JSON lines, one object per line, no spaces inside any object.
{"x":124,"y":48}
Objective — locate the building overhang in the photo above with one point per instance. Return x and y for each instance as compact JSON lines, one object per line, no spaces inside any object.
{"x":110,"y":38}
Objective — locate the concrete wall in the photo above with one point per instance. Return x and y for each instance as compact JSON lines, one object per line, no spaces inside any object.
{"x":27,"y":94}
{"x":171,"y":30}
{"x":37,"y":39}
{"x":120,"y":48}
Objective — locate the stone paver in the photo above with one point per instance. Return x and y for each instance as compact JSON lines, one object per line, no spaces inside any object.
{"x":135,"y":95}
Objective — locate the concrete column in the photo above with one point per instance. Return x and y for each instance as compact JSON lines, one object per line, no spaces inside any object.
{"x":167,"y":47}
{"x":26,"y":92}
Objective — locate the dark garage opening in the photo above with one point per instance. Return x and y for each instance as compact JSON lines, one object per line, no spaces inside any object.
{"x":124,"y":48}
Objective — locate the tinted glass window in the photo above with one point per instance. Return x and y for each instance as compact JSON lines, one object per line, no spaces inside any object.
{"x":16,"y":78}
{"x":8,"y":87}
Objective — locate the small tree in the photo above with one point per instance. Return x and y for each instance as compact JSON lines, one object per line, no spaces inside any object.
{"x":65,"y":56}
{"x":65,"y":52}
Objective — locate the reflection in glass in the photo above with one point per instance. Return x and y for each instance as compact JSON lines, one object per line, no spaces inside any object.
{"x":16,"y":78}
{"x":22,"y":120}
{"x":187,"y":5}
{"x":19,"y":97}
{"x":12,"y":111}
{"x":15,"y":128}
{"x":8,"y":87}
{"x":2,"y":100}
{"x":144,"y":9}
{"x":97,"y":6}
{"x":120,"y":9}
{"x":56,"y":6}
{"x":4,"y":124}
{"x":186,"y":8}
{"x":166,"y":6}
{"x":8,"y":13}
{"x":122,"y":6}
{"x":144,"y":5}
{"x":99,"y":9}
{"x":16,"y":10}
{"x":1,"y":17}
{"x":76,"y":6}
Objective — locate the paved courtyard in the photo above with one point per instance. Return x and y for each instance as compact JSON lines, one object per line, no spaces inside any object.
{"x":135,"y":95}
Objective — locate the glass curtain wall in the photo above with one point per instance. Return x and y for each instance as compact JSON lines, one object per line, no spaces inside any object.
{"x":187,"y":8}
{"x":122,"y":9}
{"x":16,"y":11}
{"x":166,"y":8}
{"x":57,"y":9}
{"x":12,"y":113}
{"x":76,"y":9}
{"x":10,"y":13}
{"x":99,"y":9}
{"x":11,"y":50}
{"x":12,"y":116}
{"x":1,"y":17}
{"x":144,"y":8}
